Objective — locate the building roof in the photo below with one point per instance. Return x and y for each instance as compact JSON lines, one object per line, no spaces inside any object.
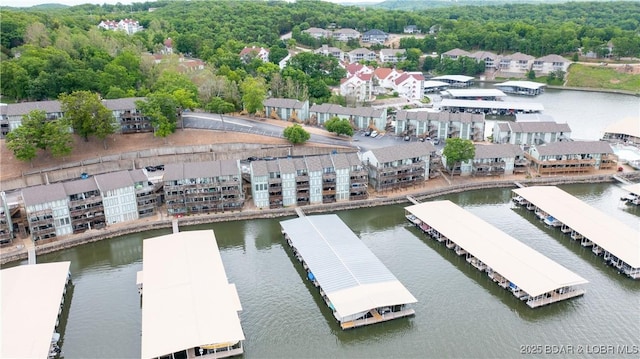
{"x":520,"y":264}
{"x":187,"y":300}
{"x":574,"y":148}
{"x":543,"y":127}
{"x":505,"y":150}
{"x":259,"y":168}
{"x":229,"y":167}
{"x":360,"y":50}
{"x":347,"y":111}
{"x":23,"y":108}
{"x":340,"y":161}
{"x":523,"y":84}
{"x":404,"y":151}
{"x":138,"y":176}
{"x":481,"y":55}
{"x":607,"y":232}
{"x":313,"y":163}
{"x":283,"y":103}
{"x":634,"y":188}
{"x":122,"y":103}
{"x":31,"y":297}
{"x":456,"y":52}
{"x":552,"y":58}
{"x":440,"y":116}
{"x":43,"y":194}
{"x":498,"y":105}
{"x":518,"y":56}
{"x":627,"y":126}
{"x":429,"y":84}
{"x":173,"y":172}
{"x":474,"y":93}
{"x":456,"y":78}
{"x":286,"y":165}
{"x":80,"y":186}
{"x":528,"y":117}
{"x":393,"y":52}
{"x":114,"y":180}
{"x":351,"y":276}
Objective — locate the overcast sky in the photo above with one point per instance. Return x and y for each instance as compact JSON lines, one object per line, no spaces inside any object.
{"x":27,"y":3}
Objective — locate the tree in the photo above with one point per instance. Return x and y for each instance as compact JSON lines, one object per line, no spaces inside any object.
{"x":339,"y":126}
{"x":36,"y":132}
{"x":161,"y":108}
{"x":218,"y":105}
{"x":458,"y":150}
{"x":296,"y":134}
{"x":87,"y":114}
{"x":254,"y":91}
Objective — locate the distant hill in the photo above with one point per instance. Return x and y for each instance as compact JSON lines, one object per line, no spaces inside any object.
{"x":40,"y":7}
{"x":426,"y":4}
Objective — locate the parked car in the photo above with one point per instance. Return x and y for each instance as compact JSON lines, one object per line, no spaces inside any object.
{"x":252,"y":158}
{"x":367,"y":133}
{"x":268,"y":158}
{"x":436,"y":141}
{"x":374,"y":134}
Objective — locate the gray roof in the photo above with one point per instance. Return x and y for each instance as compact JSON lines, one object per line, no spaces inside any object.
{"x":544,"y":127}
{"x":313,"y":163}
{"x":173,"y":172}
{"x":283,"y":103}
{"x":43,"y":194}
{"x":481,"y":55}
{"x":574,"y":148}
{"x":353,"y":159}
{"x":259,"y":168}
{"x":393,"y":52}
{"x":505,"y":150}
{"x":527,"y":117}
{"x":138,"y":176}
{"x":456,"y":52}
{"x":375,"y":32}
{"x":80,"y":186}
{"x":340,"y":161}
{"x":404,"y":151}
{"x":229,"y":167}
{"x":206,"y":169}
{"x":503,"y":126}
{"x":122,"y":103}
{"x":552,"y":58}
{"x":346,"y":111}
{"x":299,"y":164}
{"x":23,"y":108}
{"x":326,"y":162}
{"x":286,"y":165}
{"x":114,"y":180}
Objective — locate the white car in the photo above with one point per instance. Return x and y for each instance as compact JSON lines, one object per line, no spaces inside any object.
{"x":374,"y":133}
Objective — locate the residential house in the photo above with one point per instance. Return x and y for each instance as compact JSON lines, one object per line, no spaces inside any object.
{"x":118,"y":196}
{"x":375,"y":36}
{"x":454,"y":54}
{"x":285,"y":60}
{"x":357,"y":86}
{"x":399,"y":166}
{"x":516,"y":63}
{"x":327,"y":50}
{"x":85,"y":205}
{"x":385,"y":78}
{"x":530,"y":132}
{"x":286,"y":109}
{"x":129,"y":26}
{"x":412,"y":29}
{"x":47,"y":209}
{"x":392,"y":56}
{"x":249,"y":53}
{"x":361,"y":54}
{"x":489,"y":58}
{"x":345,"y":34}
{"x":6,"y":224}
{"x":317,"y":33}
{"x":108,"y":25}
{"x":168,"y":47}
{"x":550,"y":63}
{"x":626,"y":130}
{"x":492,"y":160}
{"x":571,"y":157}
{"x":410,"y":85}
{"x":360,"y":117}
{"x":434,"y":29}
{"x":356,"y":68}
{"x":131,"y":120}
{"x":203,"y":187}
{"x":441,"y":125}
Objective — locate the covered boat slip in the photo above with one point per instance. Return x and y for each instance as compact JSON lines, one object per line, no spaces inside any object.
{"x":617,"y":242}
{"x":634,"y":194}
{"x":528,"y":88}
{"x":496,"y":107}
{"x":358,"y":288}
{"x":474,"y":94}
{"x":188,"y":307}
{"x":529,"y":275}
{"x":32,"y":299}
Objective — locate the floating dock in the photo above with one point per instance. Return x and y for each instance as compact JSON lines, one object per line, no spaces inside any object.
{"x":189,"y":309}
{"x":491,"y":107}
{"x":528,"y":88}
{"x":32,"y":301}
{"x":618,"y":243}
{"x":353,"y":282}
{"x":529,"y":275}
{"x":634,"y":194}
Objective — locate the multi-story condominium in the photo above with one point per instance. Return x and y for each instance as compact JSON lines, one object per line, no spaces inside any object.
{"x":47,"y":209}
{"x":13,"y":113}
{"x":85,"y":205}
{"x":314,"y":168}
{"x":412,"y":29}
{"x":362,"y":54}
{"x":358,"y":87}
{"x":342,"y":168}
{"x":410,"y":85}
{"x":129,"y":26}
{"x":327,"y":50}
{"x":286,"y":108}
{"x":203,"y":187}
{"x":356,"y":68}
{"x":550,"y":63}
{"x":393,"y":55}
{"x":385,"y":78}
{"x":492,"y":160}
{"x":375,"y":36}
{"x":302,"y":188}
{"x":489,"y":58}
{"x":275,"y":185}
{"x":260,"y":184}
{"x":360,"y":117}
{"x":328,"y":180}
{"x":118,"y":196}
{"x":530,"y":132}
{"x":6,"y":225}
{"x":454,"y":54}
{"x":345,"y":34}
{"x":358,"y":177}
{"x":131,"y":120}
{"x":399,"y":166}
{"x":146,"y":194}
{"x":441,"y":125}
{"x":288,"y":177}
{"x":517,"y":63}
{"x":571,"y":157}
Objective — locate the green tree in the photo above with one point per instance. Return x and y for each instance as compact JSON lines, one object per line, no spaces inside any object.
{"x":531,"y":75}
{"x":254,"y":91}
{"x":296,"y":134}
{"x":458,"y":150}
{"x":36,"y":132}
{"x":218,"y":105}
{"x":339,"y":126}
{"x":88,"y":115}
{"x":161,"y":108}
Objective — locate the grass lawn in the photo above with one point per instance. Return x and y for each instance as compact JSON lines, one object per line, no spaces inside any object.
{"x":602,"y":77}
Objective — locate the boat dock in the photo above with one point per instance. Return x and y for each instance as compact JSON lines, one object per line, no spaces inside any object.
{"x":474,"y":94}
{"x":528,"y":88}
{"x":527,"y":274}
{"x":634,"y":194}
{"x":189,"y":309}
{"x":490,"y":107}
{"x":617,"y":242}
{"x":32,"y":301}
{"x":352,"y":281}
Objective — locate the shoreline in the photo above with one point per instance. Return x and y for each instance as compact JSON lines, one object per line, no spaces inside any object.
{"x":161,"y":221}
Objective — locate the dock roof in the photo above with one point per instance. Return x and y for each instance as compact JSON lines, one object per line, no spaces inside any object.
{"x":607,"y":232}
{"x":523,"y":84}
{"x":520,"y":264}
{"x":627,"y":126}
{"x":187,"y":300}
{"x":352,"y":277}
{"x":498,"y":105}
{"x":31,"y":297}
{"x":633,"y":188}
{"x":474,"y":93}
{"x":456,"y":78}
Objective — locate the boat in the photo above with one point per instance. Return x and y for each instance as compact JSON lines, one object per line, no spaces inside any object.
{"x":552,"y":221}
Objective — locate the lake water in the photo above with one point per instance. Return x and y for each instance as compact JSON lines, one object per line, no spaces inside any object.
{"x":460,"y":313}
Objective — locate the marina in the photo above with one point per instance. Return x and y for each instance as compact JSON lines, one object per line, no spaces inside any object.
{"x":503,"y":108}
{"x":352,"y":281}
{"x":527,"y":274}
{"x":618,"y":243}
{"x":189,"y":309}
{"x":528,"y":88}
{"x":33,"y":297}
{"x":474,"y":94}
